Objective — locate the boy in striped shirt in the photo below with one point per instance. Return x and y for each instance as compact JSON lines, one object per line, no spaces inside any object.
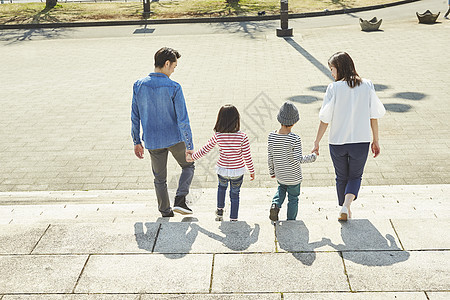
{"x":284,"y":158}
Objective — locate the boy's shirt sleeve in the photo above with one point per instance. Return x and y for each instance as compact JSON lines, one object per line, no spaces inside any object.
{"x":298,"y":153}
{"x":206,"y":148}
{"x":270,"y":156}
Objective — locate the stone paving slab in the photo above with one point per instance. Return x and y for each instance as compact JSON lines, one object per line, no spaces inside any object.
{"x":398,"y":271}
{"x":331,"y":235}
{"x":438,"y":295}
{"x":98,"y":238}
{"x":20,"y":239}
{"x":375,"y":202}
{"x":234,"y":296}
{"x":278,"y":272}
{"x":40,"y":274}
{"x":215,"y":237}
{"x":357,"y":296}
{"x":423,"y":233}
{"x":146,"y":273}
{"x":72,"y":297}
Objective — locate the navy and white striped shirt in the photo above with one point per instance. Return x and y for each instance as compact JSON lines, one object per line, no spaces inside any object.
{"x":285,"y":157}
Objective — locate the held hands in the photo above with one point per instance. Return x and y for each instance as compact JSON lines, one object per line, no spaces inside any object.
{"x":315,"y":149}
{"x":139,"y":151}
{"x":189,"y":155}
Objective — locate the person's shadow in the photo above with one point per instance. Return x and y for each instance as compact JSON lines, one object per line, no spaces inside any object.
{"x":293,"y":236}
{"x":145,"y":241}
{"x":365,"y":245}
{"x":238,"y":236}
{"x":171,"y":237}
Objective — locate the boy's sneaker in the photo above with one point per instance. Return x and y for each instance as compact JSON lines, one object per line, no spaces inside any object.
{"x":274,"y":212}
{"x":219,"y":214}
{"x":180,"y":206}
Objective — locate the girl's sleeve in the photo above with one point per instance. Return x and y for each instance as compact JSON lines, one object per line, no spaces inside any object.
{"x":206,"y":148}
{"x":247,"y":155}
{"x":326,"y":112}
{"x":377,"y":109}
{"x":298,"y":153}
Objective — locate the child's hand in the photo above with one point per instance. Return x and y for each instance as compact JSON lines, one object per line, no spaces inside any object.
{"x":189,"y":156}
{"x":252,"y":176}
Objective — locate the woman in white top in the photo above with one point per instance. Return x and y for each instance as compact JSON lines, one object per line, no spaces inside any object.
{"x":351,"y":108}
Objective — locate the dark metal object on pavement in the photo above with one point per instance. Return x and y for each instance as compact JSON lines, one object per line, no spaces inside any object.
{"x":284,"y":14}
{"x":146,"y":13}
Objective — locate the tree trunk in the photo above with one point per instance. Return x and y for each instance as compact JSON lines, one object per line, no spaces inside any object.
{"x":50,"y":3}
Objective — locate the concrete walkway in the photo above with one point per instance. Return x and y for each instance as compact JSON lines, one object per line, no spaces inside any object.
{"x":66,"y":94}
{"x":114,"y":245}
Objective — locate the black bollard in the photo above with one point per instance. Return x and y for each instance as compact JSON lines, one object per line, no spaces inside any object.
{"x":284,"y":15}
{"x":146,"y":13}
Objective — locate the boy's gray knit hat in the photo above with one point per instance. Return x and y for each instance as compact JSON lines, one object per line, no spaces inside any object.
{"x":288,"y":114}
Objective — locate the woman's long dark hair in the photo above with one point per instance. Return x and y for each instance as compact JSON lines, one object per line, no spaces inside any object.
{"x":345,"y":68}
{"x":228,"y":119}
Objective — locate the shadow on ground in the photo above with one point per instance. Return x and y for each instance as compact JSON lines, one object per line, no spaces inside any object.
{"x":171,"y":238}
{"x":362,"y":243}
{"x":20,"y":35}
{"x":398,"y":107}
{"x":293,"y":236}
{"x":304,"y":99}
{"x":248,"y":29}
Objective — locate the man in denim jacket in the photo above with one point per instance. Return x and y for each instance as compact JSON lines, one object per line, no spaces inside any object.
{"x":158,"y":104}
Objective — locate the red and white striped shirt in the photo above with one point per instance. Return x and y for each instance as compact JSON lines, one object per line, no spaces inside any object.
{"x":234,"y":150}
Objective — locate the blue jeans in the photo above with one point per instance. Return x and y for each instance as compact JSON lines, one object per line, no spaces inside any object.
{"x":349,"y":161}
{"x":293,"y":192}
{"x":235,"y":188}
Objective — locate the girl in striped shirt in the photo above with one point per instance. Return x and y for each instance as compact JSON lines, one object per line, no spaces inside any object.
{"x":234,"y":156}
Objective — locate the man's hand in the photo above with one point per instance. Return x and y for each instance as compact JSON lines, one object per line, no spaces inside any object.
{"x":139,"y":151}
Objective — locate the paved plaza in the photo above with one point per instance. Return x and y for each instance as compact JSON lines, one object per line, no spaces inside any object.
{"x":78,"y":215}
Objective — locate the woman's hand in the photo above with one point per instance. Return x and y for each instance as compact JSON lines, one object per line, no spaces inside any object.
{"x":315,"y":149}
{"x":375,"y":148}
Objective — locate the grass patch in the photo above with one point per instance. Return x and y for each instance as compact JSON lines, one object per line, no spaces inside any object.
{"x":23,"y":13}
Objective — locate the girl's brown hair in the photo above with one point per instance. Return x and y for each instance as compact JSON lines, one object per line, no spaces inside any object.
{"x":345,"y":68}
{"x":228,"y":119}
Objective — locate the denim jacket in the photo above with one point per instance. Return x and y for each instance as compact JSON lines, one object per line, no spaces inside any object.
{"x":158,"y":103}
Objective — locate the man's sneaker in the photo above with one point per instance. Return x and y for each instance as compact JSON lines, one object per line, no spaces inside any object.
{"x":219,"y":214}
{"x":274,"y":212}
{"x":180,"y":206}
{"x":167,"y":215}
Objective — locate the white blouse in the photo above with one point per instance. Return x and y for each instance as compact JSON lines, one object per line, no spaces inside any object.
{"x":349,"y":110}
